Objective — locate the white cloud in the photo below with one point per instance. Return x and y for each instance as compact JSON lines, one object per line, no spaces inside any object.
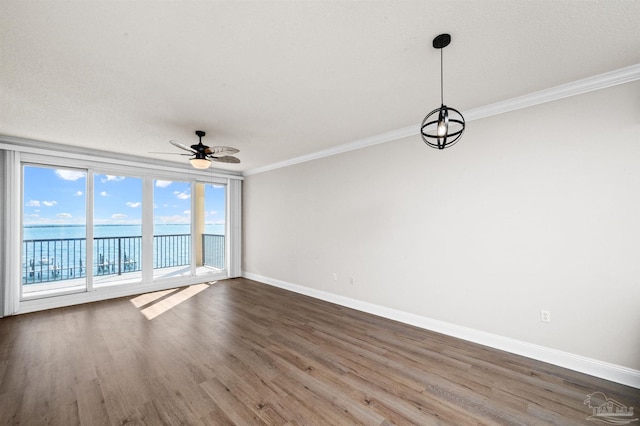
{"x":79,"y":193}
{"x":188,"y":212}
{"x":64,"y":215}
{"x":163,"y":183}
{"x":182,"y":195}
{"x":111,"y":178}
{"x":104,"y":194}
{"x":133,"y":205}
{"x":33,"y":203}
{"x":211,"y":213}
{"x":49,"y":203}
{"x":118,"y":216}
{"x":70,"y":174}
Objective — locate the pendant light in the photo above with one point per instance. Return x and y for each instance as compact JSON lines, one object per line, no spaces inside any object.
{"x":443,"y":126}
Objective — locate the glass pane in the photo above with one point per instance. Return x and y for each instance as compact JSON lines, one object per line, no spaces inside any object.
{"x":54,"y":231}
{"x":209,"y":219}
{"x":171,"y":228}
{"x":117,"y":232}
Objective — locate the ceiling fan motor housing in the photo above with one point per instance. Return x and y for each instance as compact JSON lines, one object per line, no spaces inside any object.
{"x":199,"y":146}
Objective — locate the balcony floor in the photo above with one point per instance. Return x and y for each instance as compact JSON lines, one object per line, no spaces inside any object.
{"x":52,"y":288}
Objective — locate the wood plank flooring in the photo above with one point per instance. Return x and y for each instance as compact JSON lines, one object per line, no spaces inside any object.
{"x":240,"y":352}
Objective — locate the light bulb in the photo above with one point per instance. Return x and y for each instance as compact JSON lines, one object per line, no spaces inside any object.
{"x":443,"y":122}
{"x":442,"y":129}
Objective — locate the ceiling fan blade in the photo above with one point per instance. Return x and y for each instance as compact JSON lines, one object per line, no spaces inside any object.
{"x":222,"y":150}
{"x":181,"y":146}
{"x":168,"y":153}
{"x":225,"y":159}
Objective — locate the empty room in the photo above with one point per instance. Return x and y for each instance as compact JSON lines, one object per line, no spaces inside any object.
{"x":319,"y":212}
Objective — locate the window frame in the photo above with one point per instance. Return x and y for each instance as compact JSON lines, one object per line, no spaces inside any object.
{"x":93,"y":164}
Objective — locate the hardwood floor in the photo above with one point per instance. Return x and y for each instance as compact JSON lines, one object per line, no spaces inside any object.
{"x":241,"y":352}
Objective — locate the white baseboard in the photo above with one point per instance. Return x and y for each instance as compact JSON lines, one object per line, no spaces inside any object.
{"x":593,"y":367}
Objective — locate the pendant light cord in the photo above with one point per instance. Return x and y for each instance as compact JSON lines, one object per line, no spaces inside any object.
{"x":441,"y":80}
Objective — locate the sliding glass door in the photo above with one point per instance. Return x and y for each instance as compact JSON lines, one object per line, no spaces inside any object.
{"x":54,"y":244}
{"x":210,"y":224}
{"x":171,"y":228}
{"x":117,"y":230}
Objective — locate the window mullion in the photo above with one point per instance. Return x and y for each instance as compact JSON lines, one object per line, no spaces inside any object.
{"x":89,"y":229}
{"x":147,"y":229}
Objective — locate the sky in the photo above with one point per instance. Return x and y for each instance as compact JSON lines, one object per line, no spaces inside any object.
{"x":58,"y":196}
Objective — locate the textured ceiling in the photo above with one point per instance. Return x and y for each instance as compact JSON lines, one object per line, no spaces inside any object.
{"x":282,"y":79}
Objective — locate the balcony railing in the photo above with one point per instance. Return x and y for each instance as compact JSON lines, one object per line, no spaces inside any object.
{"x":51,"y":260}
{"x":171,"y":250}
{"x":213,"y":250}
{"x":115,"y":255}
{"x":62,"y":259}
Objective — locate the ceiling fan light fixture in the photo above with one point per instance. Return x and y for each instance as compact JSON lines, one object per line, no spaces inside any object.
{"x":443,"y":126}
{"x":200,"y":163}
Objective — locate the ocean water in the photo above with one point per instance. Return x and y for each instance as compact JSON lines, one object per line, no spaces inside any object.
{"x":47,"y":232}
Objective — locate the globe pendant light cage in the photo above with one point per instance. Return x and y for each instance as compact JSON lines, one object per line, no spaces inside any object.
{"x":432,"y":124}
{"x":443,"y":126}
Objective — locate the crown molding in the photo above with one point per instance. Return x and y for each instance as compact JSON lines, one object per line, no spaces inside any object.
{"x":578,"y":87}
{"x":338,"y":149}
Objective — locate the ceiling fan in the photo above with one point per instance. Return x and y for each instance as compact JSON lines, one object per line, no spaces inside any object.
{"x":203,"y":155}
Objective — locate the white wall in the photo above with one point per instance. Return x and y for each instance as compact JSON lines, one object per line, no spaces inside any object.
{"x":538,"y":208}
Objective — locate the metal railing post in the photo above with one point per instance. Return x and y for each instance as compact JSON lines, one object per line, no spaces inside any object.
{"x":119,"y":256}
{"x":204,"y":251}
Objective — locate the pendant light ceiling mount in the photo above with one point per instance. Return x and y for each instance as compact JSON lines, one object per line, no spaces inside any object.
{"x":443,"y":126}
{"x":441,"y":41}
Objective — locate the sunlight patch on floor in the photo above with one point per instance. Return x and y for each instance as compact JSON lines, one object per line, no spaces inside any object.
{"x":154,"y":304}
{"x":145,"y":299}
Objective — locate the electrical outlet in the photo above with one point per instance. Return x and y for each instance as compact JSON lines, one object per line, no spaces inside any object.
{"x":335,"y":276}
{"x":545,"y":316}
{"x":351,"y":281}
